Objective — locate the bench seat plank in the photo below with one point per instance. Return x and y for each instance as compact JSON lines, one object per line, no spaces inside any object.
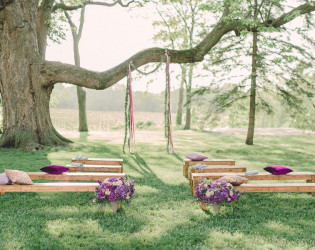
{"x":50,"y":187}
{"x":100,"y":161}
{"x":67,"y":176}
{"x":308,"y":176}
{"x":188,"y":162}
{"x":274,"y":187}
{"x":95,"y":168}
{"x":218,"y":169}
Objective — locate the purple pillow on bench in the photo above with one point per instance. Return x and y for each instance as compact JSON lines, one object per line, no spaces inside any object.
{"x":196,"y":157}
{"x":278,"y":169}
{"x":4,"y":179}
{"x":54,"y":169}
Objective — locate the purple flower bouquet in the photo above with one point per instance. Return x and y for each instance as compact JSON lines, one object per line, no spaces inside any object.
{"x":114,"y":190}
{"x":215,"y":192}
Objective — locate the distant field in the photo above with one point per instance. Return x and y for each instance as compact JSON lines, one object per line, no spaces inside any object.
{"x":66,"y":119}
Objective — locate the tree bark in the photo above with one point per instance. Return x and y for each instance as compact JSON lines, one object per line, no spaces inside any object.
{"x":188,"y":92}
{"x":179,"y":113}
{"x":26,"y":115}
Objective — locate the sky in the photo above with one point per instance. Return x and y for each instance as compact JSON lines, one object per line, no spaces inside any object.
{"x":110,"y":36}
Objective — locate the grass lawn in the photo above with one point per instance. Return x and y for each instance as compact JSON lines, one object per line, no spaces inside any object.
{"x":165,"y":215}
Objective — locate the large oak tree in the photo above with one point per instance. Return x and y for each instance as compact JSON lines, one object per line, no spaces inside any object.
{"x":27,"y":79}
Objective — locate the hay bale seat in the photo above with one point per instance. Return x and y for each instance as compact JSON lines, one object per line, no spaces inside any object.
{"x":263,"y":187}
{"x":188,"y":162}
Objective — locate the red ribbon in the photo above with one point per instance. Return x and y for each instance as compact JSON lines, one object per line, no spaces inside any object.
{"x":132,"y":139}
{"x":169,"y":100}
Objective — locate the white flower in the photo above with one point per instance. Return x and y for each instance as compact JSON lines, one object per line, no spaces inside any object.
{"x":208,"y":194}
{"x":107,"y":192}
{"x":118,"y":183}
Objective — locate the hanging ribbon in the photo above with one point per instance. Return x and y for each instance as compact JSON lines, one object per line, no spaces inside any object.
{"x":132,"y":139}
{"x":169,"y":100}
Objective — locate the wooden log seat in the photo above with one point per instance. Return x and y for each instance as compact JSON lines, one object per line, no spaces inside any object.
{"x":96,"y":168}
{"x":264,"y":187}
{"x":188,"y":162}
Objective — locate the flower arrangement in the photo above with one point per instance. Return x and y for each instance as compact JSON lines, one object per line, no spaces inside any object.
{"x":114,"y":190}
{"x":215,"y":192}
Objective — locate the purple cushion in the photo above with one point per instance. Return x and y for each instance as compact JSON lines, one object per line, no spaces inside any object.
{"x":196,"y":157}
{"x":4,"y":179}
{"x":54,"y":169}
{"x":277,"y":169}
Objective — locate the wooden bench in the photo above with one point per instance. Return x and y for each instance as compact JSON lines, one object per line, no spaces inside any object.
{"x":270,"y":188}
{"x":276,"y":187}
{"x":96,"y":168}
{"x":60,"y":186}
{"x":308,"y":176}
{"x":217,"y":169}
{"x":188,"y":162}
{"x":51,"y":187}
{"x":100,"y":161}
{"x":67,"y":176}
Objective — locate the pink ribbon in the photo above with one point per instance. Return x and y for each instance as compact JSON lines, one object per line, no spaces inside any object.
{"x":169,"y":100}
{"x":132,"y":139}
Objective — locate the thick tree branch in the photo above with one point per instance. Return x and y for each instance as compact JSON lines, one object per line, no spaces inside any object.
{"x":298,"y":11}
{"x":75,"y":7}
{"x":60,"y":72}
{"x":44,"y":14}
{"x":55,"y":72}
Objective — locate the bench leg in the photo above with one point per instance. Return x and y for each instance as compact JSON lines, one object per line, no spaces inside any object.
{"x":2,"y":193}
{"x":203,"y":206}
{"x":312,"y":181}
{"x":185,"y":169}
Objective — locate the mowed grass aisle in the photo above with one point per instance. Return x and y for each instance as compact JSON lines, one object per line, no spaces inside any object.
{"x":165,"y":214}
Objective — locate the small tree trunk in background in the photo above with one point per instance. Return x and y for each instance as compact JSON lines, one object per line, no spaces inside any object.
{"x":179,"y":113}
{"x":83,"y":126}
{"x":81,"y":94}
{"x":252,"y":102}
{"x":188,"y":91}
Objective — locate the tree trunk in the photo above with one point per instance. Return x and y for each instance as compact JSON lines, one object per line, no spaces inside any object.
{"x":188,"y":92}
{"x":252,"y":102}
{"x":26,"y":115}
{"x":179,"y":113}
{"x":83,"y":126}
{"x":81,"y":94}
